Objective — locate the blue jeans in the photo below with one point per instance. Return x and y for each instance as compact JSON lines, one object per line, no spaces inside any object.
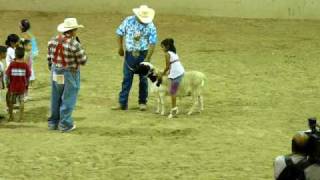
{"x":130,"y":63}
{"x":63,"y":97}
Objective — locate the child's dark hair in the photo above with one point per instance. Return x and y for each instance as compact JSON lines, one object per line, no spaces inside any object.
{"x":168,"y":43}
{"x":25,"y":42}
{"x":25,"y":25}
{"x":12,"y":38}
{"x":3,"y":49}
{"x":19,"y":52}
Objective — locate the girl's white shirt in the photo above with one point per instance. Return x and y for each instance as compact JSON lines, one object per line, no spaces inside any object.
{"x":10,"y":56}
{"x":176,"y":68}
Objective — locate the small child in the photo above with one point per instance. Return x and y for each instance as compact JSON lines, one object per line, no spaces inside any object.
{"x":17,"y":74}
{"x":176,"y":72}
{"x":3,"y":54}
{"x":12,"y":42}
{"x":26,"y":34}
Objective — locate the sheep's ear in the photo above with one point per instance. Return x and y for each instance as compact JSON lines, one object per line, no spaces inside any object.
{"x":147,"y":64}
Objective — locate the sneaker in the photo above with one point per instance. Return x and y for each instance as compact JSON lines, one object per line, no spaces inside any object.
{"x":119,"y":107}
{"x":142,"y":107}
{"x":52,"y":127}
{"x":173,"y":113}
{"x":69,"y":129}
{"x":27,"y":98}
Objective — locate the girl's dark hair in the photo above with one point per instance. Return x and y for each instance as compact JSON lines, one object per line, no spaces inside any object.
{"x":168,"y":43}
{"x":19,"y":52}
{"x":25,"y":25}
{"x":12,"y":38}
{"x":3,"y":49}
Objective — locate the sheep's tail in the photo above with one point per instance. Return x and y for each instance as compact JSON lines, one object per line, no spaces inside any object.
{"x":204,"y":79}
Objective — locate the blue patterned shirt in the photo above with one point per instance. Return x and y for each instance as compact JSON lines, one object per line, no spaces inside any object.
{"x":137,"y":36}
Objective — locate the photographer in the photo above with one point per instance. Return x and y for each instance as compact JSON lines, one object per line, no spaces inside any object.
{"x":297,"y":166}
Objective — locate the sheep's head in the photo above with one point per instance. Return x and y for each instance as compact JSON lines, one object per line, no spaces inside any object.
{"x":144,"y":68}
{"x":147,"y":69}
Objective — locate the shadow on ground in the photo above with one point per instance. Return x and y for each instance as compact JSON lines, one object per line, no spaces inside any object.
{"x":36,"y":114}
{"x":143,"y":131}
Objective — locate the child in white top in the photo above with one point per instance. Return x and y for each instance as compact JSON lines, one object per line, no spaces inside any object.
{"x":12,"y":42}
{"x":176,"y":71}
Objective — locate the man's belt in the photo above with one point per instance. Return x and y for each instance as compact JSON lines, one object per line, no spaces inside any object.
{"x":62,"y":66}
{"x":58,"y":65}
{"x":136,"y":53}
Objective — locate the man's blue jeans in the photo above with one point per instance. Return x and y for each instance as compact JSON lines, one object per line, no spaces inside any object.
{"x":63,"y":97}
{"x":130,"y":63}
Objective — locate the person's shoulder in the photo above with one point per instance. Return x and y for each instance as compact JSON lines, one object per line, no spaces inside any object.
{"x":279,"y":160}
{"x":171,"y":53}
{"x":30,"y":34}
{"x":13,"y":63}
{"x":10,"y":50}
{"x":26,"y":35}
{"x":74,"y":42}
{"x":151,"y":25}
{"x":53,"y":39}
{"x":129,"y":19}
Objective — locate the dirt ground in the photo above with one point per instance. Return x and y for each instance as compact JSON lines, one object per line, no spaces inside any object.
{"x":263,"y":83}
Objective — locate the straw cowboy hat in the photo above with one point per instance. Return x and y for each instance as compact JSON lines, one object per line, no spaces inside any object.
{"x":144,"y":13}
{"x":69,"y":24}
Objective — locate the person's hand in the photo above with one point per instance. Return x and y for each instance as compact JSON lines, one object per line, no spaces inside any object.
{"x":121,"y":52}
{"x":77,"y":38}
{"x":147,"y":59}
{"x":49,"y":66}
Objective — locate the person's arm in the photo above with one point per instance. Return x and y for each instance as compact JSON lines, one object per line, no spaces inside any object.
{"x":10,"y":56}
{"x":279,"y":165}
{"x":120,"y":44}
{"x":50,"y":55}
{"x":7,"y":77}
{"x":120,"y":34}
{"x":81,"y":55}
{"x":150,"y":52}
{"x":166,"y":69}
{"x":153,"y":38}
{"x":28,"y":72}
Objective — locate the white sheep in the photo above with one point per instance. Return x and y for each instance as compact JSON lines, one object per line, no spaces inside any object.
{"x":192,"y":84}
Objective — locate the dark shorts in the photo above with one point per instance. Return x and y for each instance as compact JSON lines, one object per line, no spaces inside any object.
{"x":174,"y":85}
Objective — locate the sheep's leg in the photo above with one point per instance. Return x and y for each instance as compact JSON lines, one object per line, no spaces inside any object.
{"x":161,"y":97}
{"x":158,"y":105}
{"x":201,"y":106}
{"x":195,"y":103}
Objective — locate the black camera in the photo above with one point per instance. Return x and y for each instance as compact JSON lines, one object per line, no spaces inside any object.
{"x":314,"y":140}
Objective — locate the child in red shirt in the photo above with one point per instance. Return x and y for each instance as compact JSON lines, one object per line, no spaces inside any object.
{"x":18,"y":74}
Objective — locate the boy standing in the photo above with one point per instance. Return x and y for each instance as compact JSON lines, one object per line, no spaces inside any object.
{"x":18,"y":74}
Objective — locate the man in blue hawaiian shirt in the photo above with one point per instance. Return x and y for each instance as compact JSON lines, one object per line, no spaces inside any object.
{"x":139,"y":36}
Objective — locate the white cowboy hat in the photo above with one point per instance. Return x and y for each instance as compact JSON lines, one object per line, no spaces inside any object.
{"x":69,"y":24}
{"x":144,"y":13}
